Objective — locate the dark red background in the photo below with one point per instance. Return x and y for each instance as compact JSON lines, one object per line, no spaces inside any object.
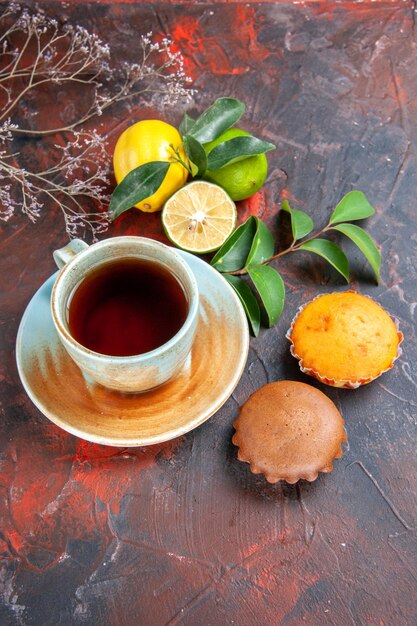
{"x":182,"y":533}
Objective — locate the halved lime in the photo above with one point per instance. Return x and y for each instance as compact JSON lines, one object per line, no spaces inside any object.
{"x":199,"y":217}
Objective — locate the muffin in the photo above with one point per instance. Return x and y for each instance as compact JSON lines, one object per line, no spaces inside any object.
{"x":344,"y":339}
{"x":288,"y":431}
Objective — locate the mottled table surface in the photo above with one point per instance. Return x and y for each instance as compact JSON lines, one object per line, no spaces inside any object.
{"x":181,"y":532}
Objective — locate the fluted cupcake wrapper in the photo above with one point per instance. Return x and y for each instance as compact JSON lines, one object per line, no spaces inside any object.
{"x":342,"y":384}
{"x":290,"y":478}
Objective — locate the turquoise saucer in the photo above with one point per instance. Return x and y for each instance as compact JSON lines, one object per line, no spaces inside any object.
{"x":58,"y":389}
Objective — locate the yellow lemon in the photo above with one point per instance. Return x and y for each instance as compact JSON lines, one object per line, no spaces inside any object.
{"x":151,"y":140}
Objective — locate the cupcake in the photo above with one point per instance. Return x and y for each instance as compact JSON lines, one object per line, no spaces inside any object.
{"x":344,"y":339}
{"x":288,"y":431}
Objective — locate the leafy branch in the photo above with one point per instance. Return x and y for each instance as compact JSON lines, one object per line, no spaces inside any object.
{"x":250,"y":249}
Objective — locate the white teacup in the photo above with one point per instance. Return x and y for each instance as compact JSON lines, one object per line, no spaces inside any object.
{"x":123,"y":373}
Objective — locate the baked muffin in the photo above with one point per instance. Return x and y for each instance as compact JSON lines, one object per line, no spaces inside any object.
{"x":288,"y":431}
{"x":344,"y":339}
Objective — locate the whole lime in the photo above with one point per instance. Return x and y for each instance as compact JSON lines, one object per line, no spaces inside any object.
{"x":240,"y":179}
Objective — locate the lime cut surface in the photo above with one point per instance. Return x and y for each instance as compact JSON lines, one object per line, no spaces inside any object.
{"x":199,"y":217}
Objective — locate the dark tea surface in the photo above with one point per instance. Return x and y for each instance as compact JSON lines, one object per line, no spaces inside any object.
{"x":127,"y":307}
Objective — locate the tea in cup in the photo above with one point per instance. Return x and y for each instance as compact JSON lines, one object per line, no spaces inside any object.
{"x":126,"y":310}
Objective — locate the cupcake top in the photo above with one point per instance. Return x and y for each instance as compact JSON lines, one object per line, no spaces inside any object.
{"x":289,"y":430}
{"x":344,"y":339}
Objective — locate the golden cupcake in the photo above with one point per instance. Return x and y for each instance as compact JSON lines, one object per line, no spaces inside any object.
{"x":289,"y":431}
{"x":344,"y":339}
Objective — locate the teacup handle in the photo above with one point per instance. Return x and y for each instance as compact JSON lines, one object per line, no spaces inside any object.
{"x":68,"y":252}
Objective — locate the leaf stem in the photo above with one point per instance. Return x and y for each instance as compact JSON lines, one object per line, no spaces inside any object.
{"x":178,"y":158}
{"x":292,"y":248}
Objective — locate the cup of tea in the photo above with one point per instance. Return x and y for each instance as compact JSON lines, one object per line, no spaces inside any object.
{"x":126,"y":310}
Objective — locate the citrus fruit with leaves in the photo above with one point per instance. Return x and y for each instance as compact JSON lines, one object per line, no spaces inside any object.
{"x":241,"y":178}
{"x":144,"y":142}
{"x":199,"y":217}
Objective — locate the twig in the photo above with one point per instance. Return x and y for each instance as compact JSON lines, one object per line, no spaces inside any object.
{"x":35,"y":51}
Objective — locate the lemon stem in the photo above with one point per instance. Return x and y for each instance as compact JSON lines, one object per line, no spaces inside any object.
{"x":178,"y":158}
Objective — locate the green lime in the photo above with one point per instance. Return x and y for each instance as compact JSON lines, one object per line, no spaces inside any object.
{"x":240,"y":179}
{"x":199,"y":217}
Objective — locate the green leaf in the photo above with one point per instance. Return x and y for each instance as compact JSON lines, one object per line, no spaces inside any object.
{"x":194,"y":169}
{"x":271,"y":289}
{"x":196,"y":154}
{"x":353,"y":206}
{"x":365,"y":244}
{"x":138,"y":185}
{"x":186,"y":125}
{"x":234,"y":252}
{"x":248,"y":300}
{"x":236,"y":149}
{"x":216,"y":119}
{"x":301,"y":223}
{"x":262,"y":246}
{"x":331,"y":252}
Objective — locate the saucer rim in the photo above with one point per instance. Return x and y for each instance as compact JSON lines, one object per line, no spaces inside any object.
{"x":166,"y":435}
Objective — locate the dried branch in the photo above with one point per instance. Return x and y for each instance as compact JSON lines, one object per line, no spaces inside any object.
{"x":61,"y":184}
{"x":36,"y":52}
